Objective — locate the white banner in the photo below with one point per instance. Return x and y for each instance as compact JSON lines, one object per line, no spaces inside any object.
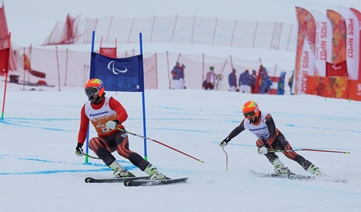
{"x":352,"y":42}
{"x":307,"y":67}
{"x":323,"y":45}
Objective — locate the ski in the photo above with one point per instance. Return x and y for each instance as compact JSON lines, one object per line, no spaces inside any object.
{"x":293,"y":176}
{"x":142,"y":182}
{"x":113,"y":180}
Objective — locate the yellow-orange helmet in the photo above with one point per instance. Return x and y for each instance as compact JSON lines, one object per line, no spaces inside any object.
{"x":250,"y":108}
{"x":94,"y":86}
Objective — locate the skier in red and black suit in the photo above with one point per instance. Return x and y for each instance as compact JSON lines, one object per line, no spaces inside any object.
{"x":269,"y":138}
{"x":107,"y":115}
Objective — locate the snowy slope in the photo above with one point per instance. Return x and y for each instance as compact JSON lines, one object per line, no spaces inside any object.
{"x":40,"y":171}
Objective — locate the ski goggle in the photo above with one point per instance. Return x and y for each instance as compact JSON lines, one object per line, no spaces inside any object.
{"x":91,"y":91}
{"x":252,"y":113}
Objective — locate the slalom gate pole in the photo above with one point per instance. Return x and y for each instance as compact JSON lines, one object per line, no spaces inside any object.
{"x":123,"y":130}
{"x":313,"y":150}
{"x":226,"y":158}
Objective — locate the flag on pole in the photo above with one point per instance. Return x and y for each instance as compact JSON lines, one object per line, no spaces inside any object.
{"x":4,"y":60}
{"x":118,"y":74}
{"x":4,"y":69}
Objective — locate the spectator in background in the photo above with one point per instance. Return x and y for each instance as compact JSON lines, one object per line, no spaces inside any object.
{"x":262,"y":86}
{"x":210,"y":79}
{"x":204,"y":84}
{"x":176,"y":73}
{"x":269,"y":82}
{"x":232,"y":80}
{"x":181,"y":77}
{"x":253,"y":81}
{"x":290,"y":83}
{"x":281,"y":84}
{"x":244,"y":82}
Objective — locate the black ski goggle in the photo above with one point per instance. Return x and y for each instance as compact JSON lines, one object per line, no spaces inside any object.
{"x":252,"y":113}
{"x":91,"y":90}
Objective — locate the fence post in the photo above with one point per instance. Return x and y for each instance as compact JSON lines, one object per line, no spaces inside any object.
{"x":234,"y":30}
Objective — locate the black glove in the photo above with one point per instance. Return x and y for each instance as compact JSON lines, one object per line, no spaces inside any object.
{"x":224,"y":142}
{"x":79,"y":150}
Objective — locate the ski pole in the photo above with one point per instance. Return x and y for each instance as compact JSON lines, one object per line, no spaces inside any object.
{"x":226,"y":158}
{"x":92,"y":156}
{"x":313,"y":150}
{"x":123,"y":130}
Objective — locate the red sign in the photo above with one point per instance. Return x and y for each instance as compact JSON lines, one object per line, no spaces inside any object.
{"x":4,"y":60}
{"x":109,"y":52}
{"x":336,"y":69}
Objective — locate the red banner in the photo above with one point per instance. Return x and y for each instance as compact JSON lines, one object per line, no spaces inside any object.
{"x":4,"y":60}
{"x":355,"y":90}
{"x":331,"y":87}
{"x":334,"y":87}
{"x":338,"y":37}
{"x":4,"y":32}
{"x":338,"y":69}
{"x":305,"y":53}
{"x":108,"y":51}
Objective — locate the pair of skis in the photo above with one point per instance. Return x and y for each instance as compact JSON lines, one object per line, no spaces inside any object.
{"x":136,"y":181}
{"x":293,"y":176}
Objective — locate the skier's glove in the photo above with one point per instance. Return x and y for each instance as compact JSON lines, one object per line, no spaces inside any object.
{"x":224,"y":142}
{"x":112,"y":124}
{"x":262,"y":150}
{"x":79,"y":150}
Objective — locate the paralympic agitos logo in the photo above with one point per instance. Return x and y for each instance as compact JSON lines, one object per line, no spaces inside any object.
{"x":111,"y":67}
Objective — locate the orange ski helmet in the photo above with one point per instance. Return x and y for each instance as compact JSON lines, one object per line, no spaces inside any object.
{"x":250,"y":108}
{"x":94,"y":86}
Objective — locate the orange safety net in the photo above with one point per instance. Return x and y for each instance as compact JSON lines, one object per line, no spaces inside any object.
{"x":178,"y":29}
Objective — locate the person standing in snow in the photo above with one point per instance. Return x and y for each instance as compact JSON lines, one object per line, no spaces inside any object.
{"x":181,"y":78}
{"x":253,"y":81}
{"x":177,"y":73}
{"x":232,"y":80}
{"x":270,"y":139}
{"x":244,"y":82}
{"x":281,"y":84}
{"x":290,"y":82}
{"x":262,"y":83}
{"x":210,"y":79}
{"x":107,"y":116}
